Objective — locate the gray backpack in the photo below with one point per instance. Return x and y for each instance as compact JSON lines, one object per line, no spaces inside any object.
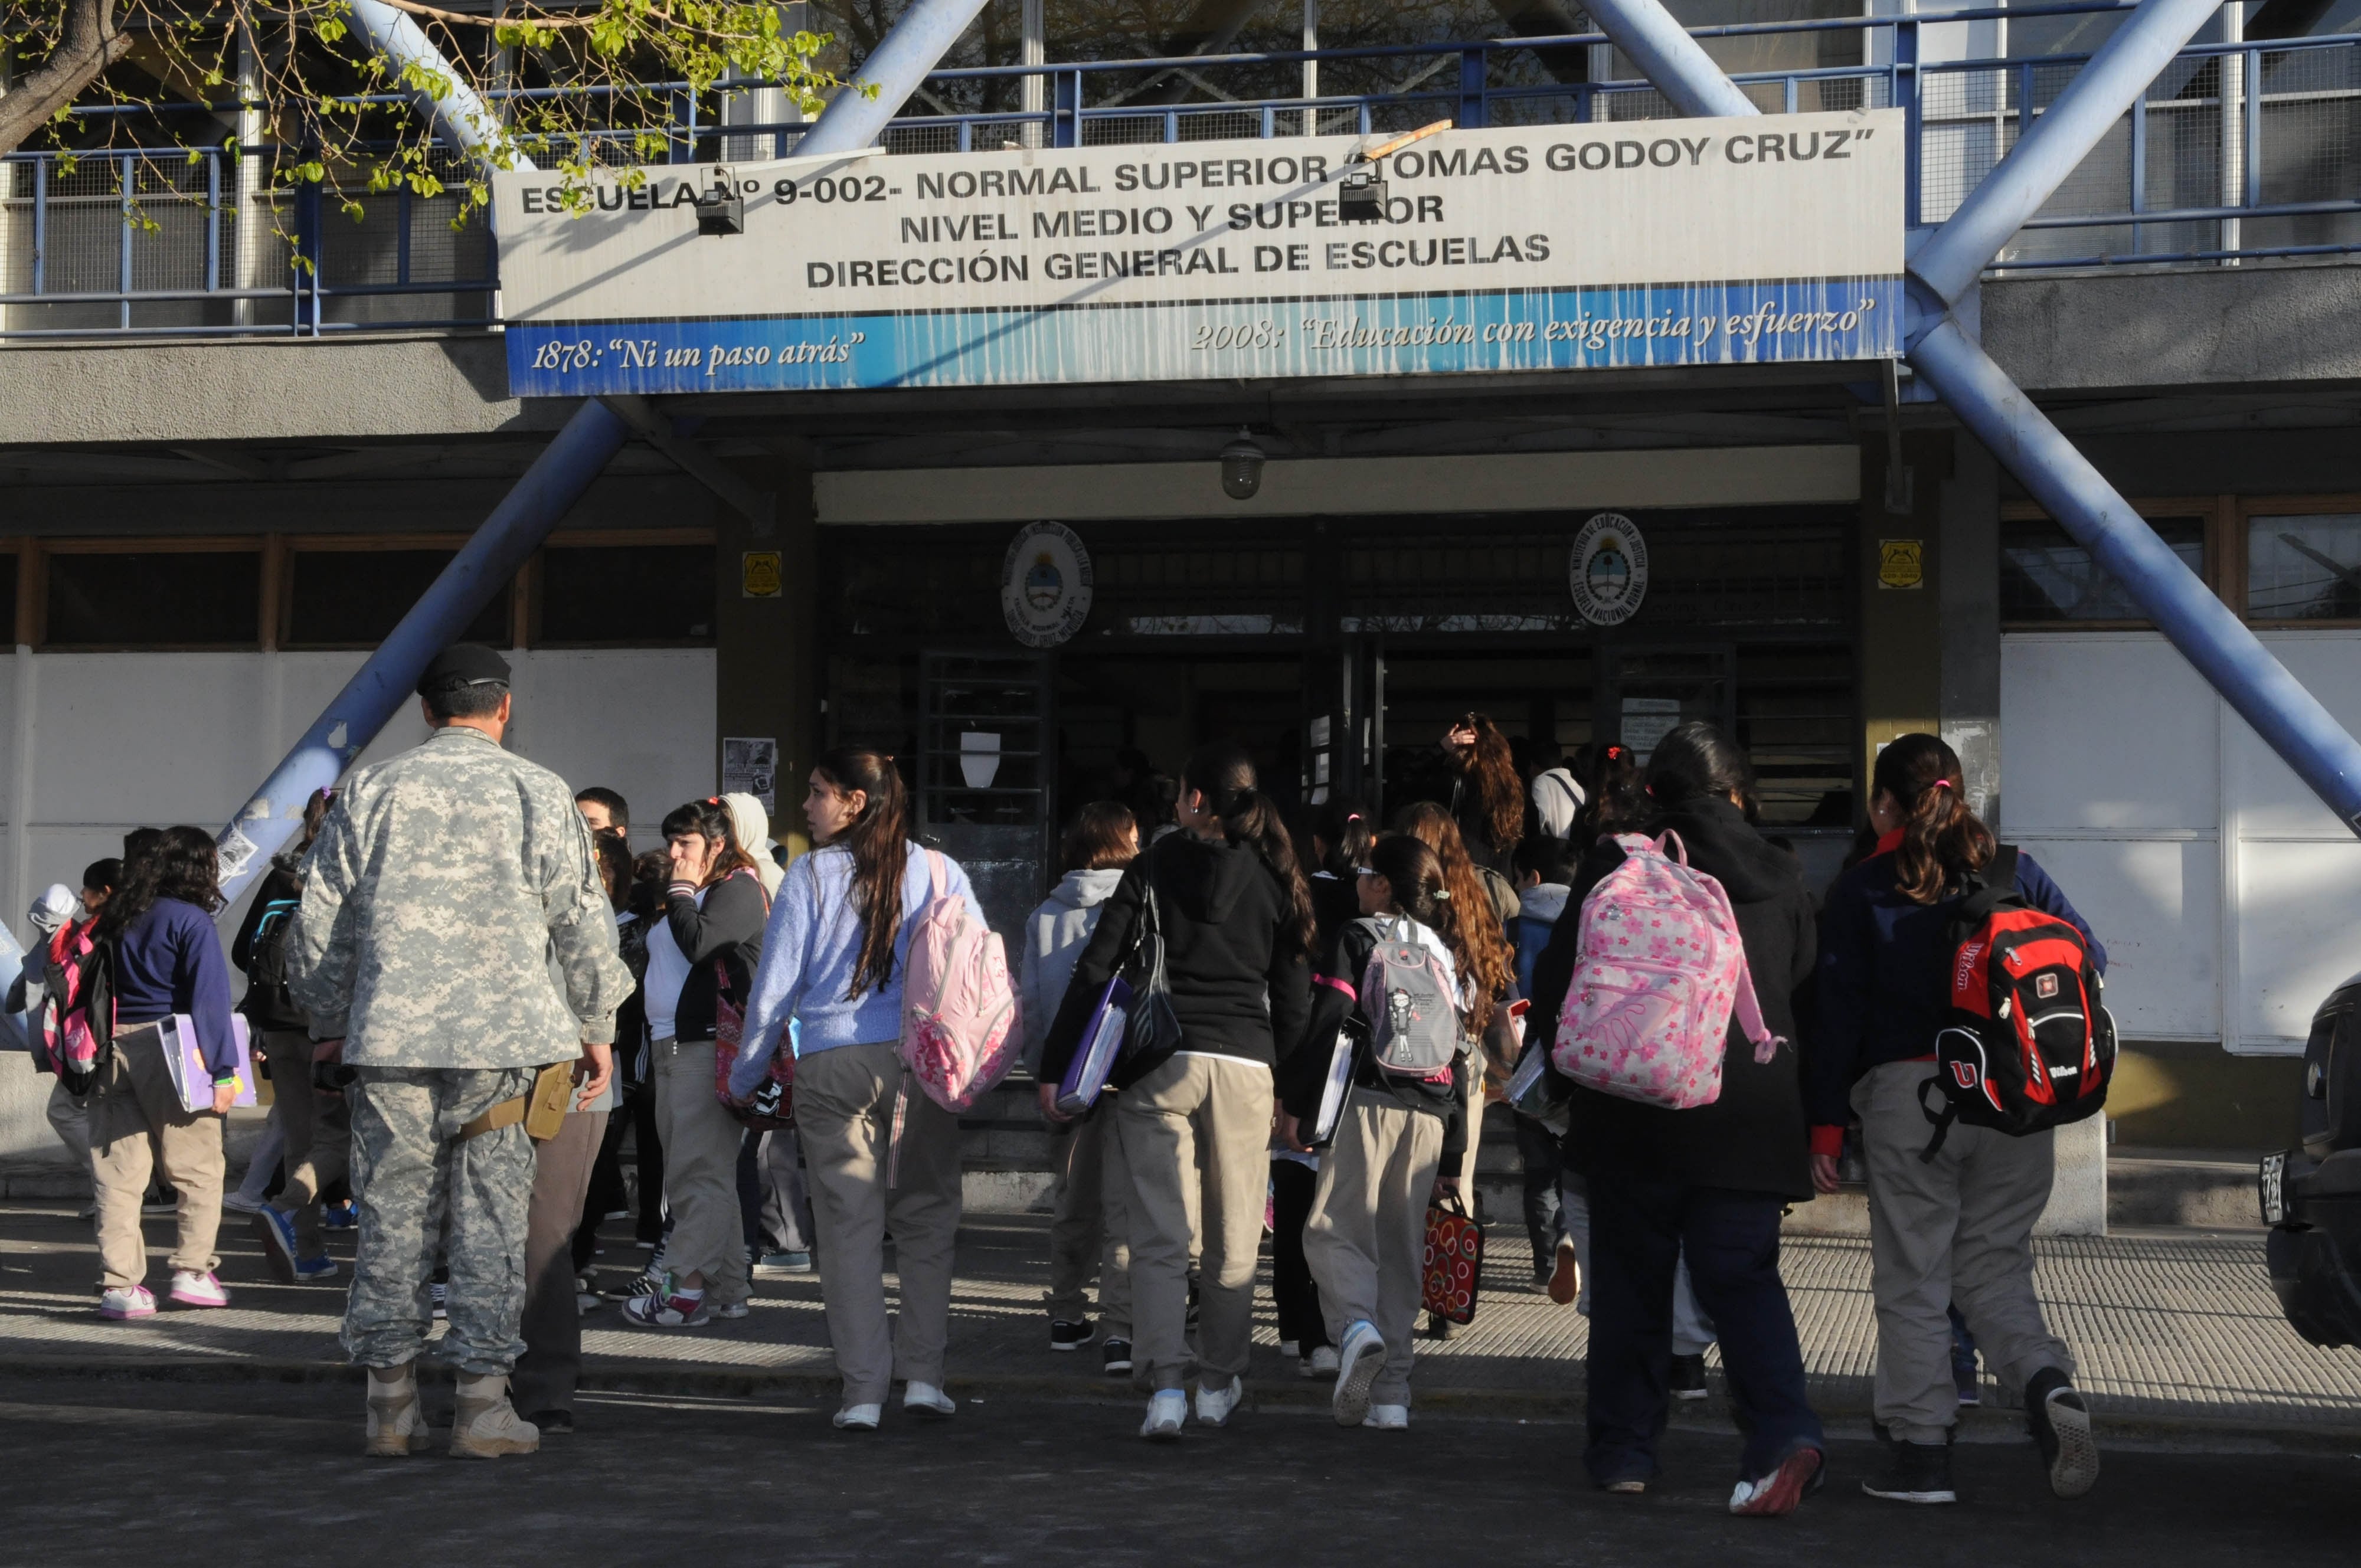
{"x":1406,"y":995}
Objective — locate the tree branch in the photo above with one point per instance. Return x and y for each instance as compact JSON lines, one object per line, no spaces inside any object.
{"x":87,"y":45}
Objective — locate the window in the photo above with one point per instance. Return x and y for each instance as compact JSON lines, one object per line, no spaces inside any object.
{"x":2045,"y":577}
{"x":626,"y":593}
{"x":180,"y":598}
{"x":11,"y":563}
{"x":352,"y":599}
{"x":2304,"y":568}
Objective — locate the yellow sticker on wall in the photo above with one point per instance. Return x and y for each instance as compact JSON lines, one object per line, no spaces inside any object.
{"x":1901,"y":563}
{"x":761,"y":574}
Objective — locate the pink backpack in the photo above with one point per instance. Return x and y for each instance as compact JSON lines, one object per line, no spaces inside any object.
{"x":1658,"y":972}
{"x":959,"y":1032}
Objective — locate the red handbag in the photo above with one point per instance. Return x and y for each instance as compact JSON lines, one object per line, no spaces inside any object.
{"x":1454,"y":1261}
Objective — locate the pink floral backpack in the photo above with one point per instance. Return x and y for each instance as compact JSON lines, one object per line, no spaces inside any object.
{"x":959,"y":1032}
{"x":1658,"y":972}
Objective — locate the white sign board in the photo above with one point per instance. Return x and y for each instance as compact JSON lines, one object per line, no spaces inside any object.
{"x":1639,"y":243}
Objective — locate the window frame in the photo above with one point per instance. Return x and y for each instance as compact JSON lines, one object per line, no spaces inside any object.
{"x":2222,"y":532}
{"x":529,"y":617}
{"x":36,"y":554}
{"x":285,"y":547}
{"x":2243,"y":512}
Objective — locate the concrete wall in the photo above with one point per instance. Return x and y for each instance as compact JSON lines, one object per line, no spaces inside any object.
{"x":2196,"y":326}
{"x":93,"y":744}
{"x":2228,"y":897}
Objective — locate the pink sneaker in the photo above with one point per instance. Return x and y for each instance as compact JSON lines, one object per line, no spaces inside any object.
{"x":123,"y":1301}
{"x":193,"y":1289}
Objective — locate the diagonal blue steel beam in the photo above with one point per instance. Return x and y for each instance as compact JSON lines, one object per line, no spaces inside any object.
{"x":1666,"y":55}
{"x":557,"y":478}
{"x":2221,"y":647}
{"x":458,"y":113}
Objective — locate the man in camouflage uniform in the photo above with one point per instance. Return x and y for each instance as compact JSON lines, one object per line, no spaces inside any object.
{"x":447,"y":887}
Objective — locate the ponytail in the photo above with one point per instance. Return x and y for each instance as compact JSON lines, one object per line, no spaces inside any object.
{"x":1943,"y":842}
{"x":1224,"y":776}
{"x":879,"y":843}
{"x":1479,"y":945}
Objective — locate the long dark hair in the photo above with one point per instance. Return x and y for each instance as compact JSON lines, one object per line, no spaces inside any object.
{"x":1490,"y":769}
{"x":1344,"y":827}
{"x":1411,"y":870}
{"x":179,"y":862}
{"x":710,"y":820}
{"x":1694,"y":759}
{"x":1611,"y":776}
{"x":879,"y":843}
{"x":1479,"y":945}
{"x":1942,"y":840}
{"x":1224,"y":774}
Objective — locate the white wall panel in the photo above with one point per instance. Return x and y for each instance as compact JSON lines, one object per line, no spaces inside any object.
{"x":2156,"y":905}
{"x":2299,"y":934}
{"x":2103,"y":731}
{"x":2271,"y":800}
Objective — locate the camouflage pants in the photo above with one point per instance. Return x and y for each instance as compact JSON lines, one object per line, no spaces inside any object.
{"x":421,"y":1190}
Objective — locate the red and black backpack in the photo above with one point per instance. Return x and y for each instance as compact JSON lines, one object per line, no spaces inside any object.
{"x":2029,"y":1045}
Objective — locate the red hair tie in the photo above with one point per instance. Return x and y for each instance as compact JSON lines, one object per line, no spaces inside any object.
{"x":1942,"y":783}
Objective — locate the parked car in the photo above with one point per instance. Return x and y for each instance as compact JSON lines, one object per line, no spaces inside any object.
{"x":2312,"y":1195}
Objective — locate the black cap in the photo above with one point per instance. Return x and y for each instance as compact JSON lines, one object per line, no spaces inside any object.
{"x":462,"y":664}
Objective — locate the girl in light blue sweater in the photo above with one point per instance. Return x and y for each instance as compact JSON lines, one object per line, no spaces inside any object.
{"x":833,"y":958}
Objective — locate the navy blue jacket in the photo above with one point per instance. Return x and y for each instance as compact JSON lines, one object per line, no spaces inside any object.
{"x":168,"y":960}
{"x":1884,"y":981}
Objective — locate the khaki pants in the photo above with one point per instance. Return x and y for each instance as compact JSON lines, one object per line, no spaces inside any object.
{"x":1953,"y":1230}
{"x":70,"y":1119}
{"x":1365,"y":1240}
{"x":132,"y":1100}
{"x":318,"y":1130}
{"x":700,"y":1144}
{"x":551,"y":1325}
{"x":1196,"y":1133}
{"x":1093,"y":1224}
{"x":845,"y":1112}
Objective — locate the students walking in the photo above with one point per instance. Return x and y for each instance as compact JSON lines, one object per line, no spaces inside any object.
{"x":167,"y":961}
{"x":701,"y":956}
{"x":1091,"y":1227}
{"x":1397,"y":1137}
{"x":880,"y":1152}
{"x":1236,"y":922}
{"x":1706,"y":1185}
{"x":1954,"y":1227}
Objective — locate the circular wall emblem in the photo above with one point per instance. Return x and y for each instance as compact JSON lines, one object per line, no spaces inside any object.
{"x":1608,"y":569}
{"x":1045,"y":585}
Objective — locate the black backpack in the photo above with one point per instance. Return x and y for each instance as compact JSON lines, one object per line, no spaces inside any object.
{"x":267,"y":1003}
{"x":2029,"y":1045}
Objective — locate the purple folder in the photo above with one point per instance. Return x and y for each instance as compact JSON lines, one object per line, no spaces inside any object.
{"x":1086,"y":1075}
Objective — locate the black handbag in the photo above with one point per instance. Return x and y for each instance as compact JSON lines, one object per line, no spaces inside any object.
{"x":1153,"y":1032}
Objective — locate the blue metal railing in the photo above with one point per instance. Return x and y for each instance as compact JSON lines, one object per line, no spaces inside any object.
{"x":2239,"y":153}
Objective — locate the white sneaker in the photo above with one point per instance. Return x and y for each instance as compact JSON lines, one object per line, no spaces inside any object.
{"x":1387,"y":1418}
{"x":1359,"y":1361}
{"x":1167,"y":1414}
{"x":1294,"y":1348}
{"x":1216,"y":1406}
{"x":1321,"y":1363}
{"x":858,"y":1417}
{"x":926,"y":1399}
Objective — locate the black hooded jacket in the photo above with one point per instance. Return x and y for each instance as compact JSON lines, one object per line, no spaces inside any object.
{"x":1752,"y":1137}
{"x":1241,"y":982}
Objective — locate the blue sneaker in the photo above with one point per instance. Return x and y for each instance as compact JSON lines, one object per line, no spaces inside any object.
{"x":320,"y":1267}
{"x":340,"y":1217}
{"x":277,"y":1231}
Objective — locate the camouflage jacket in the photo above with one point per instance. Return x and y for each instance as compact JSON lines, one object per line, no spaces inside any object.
{"x":448,"y":889}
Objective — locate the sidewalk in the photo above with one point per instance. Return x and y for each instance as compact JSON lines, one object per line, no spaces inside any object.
{"x":2177,"y":1331}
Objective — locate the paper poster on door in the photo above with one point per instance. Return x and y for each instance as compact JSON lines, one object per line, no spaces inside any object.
{"x":750,"y":766}
{"x":1646,"y":720}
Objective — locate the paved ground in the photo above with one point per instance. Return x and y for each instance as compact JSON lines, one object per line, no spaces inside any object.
{"x":2177,"y":1331}
{"x":109,"y":1472}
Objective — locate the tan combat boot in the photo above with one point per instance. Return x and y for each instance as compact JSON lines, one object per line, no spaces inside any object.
{"x":396,"y":1425}
{"x":487,"y":1425}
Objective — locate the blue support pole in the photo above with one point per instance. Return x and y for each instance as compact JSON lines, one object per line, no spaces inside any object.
{"x":459,"y":113}
{"x":2290,"y":721}
{"x":2208,"y":632}
{"x":915,"y":47}
{"x":2051,"y":146}
{"x":377,"y":691}
{"x":1676,"y":62}
{"x":558,"y":477}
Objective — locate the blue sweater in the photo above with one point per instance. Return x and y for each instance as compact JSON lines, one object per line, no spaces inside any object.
{"x":1884,"y":983}
{"x":169,"y":960}
{"x":810,"y":950}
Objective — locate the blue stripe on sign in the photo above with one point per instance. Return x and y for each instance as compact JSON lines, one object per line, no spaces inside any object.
{"x":1399,"y":334}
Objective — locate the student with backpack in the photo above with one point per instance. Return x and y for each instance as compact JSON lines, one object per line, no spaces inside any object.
{"x":1235,"y":916}
{"x":880,"y":1152}
{"x":701,"y":960}
{"x":1544,"y":876}
{"x":312,"y":1119}
{"x":1904,"y":941}
{"x":1673,"y":988}
{"x":1091,"y":1225}
{"x":65,"y":926}
{"x":1396,"y":1136}
{"x":158,"y":957}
